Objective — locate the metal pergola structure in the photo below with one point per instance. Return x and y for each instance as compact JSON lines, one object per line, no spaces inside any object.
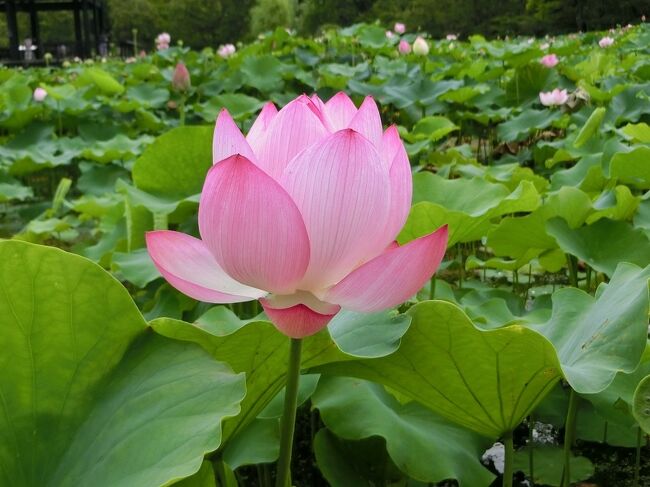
{"x":90,"y":24}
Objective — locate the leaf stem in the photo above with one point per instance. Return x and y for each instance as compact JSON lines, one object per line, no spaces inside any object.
{"x":531,"y":449}
{"x":288,"y":421}
{"x":569,"y":434}
{"x":509,"y":459}
{"x":637,"y":463}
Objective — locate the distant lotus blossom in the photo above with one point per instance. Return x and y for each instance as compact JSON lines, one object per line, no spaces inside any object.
{"x":162,"y":41}
{"x":531,"y":40}
{"x":420,"y":47}
{"x":390,"y":34}
{"x":181,"y":78}
{"x":226,"y":50}
{"x":605,"y":42}
{"x":545,"y":46}
{"x":404,"y":47}
{"x":40,"y":94}
{"x":612,"y":31}
{"x":643,"y":18}
{"x":549,"y":60}
{"x":451,"y":37}
{"x":399,"y":28}
{"x":553,"y":98}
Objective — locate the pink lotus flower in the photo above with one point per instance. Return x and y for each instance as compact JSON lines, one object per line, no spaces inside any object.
{"x":420,"y":47}
{"x":553,"y":98}
{"x":302,"y":214}
{"x":451,"y":37}
{"x":39,"y":95}
{"x":399,"y":28}
{"x":605,"y":42}
{"x":549,"y":60}
{"x":226,"y":50}
{"x":404,"y":47}
{"x":162,"y":41}
{"x":390,"y":34}
{"x":181,"y":78}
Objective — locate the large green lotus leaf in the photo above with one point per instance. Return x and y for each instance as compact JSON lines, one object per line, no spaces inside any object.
{"x":422,"y":92}
{"x":548,"y":465}
{"x":595,"y":338}
{"x":176,"y":163}
{"x":616,"y":204}
{"x":527,"y":81}
{"x":259,"y":350}
{"x":89,"y":396}
{"x":602,"y":245}
{"x":466,"y":206}
{"x":363,"y":463}
{"x":422,"y":445}
{"x":486,"y":381}
{"x":240,"y":106}
{"x":632,"y":167}
{"x":639,"y":132}
{"x":521,"y":238}
{"x":263,"y":72}
{"x":118,"y":148}
{"x":135,"y":266}
{"x":641,"y":409}
{"x":530,"y":119}
{"x":13,"y":190}
{"x":590,"y":127}
{"x":616,"y":402}
{"x":101,"y":79}
{"x":148,"y":95}
{"x":373,"y":36}
{"x":432,"y":128}
{"x":203,"y":478}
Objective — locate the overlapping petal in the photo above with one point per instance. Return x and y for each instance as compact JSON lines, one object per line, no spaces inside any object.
{"x":401,"y":182}
{"x":299,"y":320}
{"x":228,"y":139}
{"x":187,"y":264}
{"x":295,"y":127}
{"x":342,"y":190}
{"x":339,"y":111}
{"x":392,"y":277}
{"x":367,"y":121}
{"x":256,"y":134}
{"x":252,"y":227}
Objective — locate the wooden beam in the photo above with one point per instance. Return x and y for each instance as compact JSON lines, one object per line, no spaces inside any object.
{"x":12,"y":27}
{"x":77,"y":29}
{"x":35,"y":31}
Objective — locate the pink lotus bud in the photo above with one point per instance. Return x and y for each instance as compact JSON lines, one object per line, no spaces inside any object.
{"x":162,"y":41}
{"x":420,"y":47}
{"x":550,"y":60}
{"x":451,"y":37}
{"x":390,"y":34}
{"x":289,"y":214}
{"x":553,"y":98}
{"x":404,"y":47}
{"x":643,"y":18}
{"x":399,"y":28}
{"x":605,"y":42}
{"x":40,"y":94}
{"x":181,"y":78}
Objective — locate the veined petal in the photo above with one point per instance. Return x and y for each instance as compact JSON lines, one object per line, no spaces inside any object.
{"x":228,"y":139}
{"x":299,"y":320}
{"x":392,"y":277}
{"x":367,"y":122}
{"x":401,"y":185}
{"x":295,"y":127}
{"x":256,"y":134}
{"x":187,"y":264}
{"x":252,"y":226}
{"x":339,"y":111}
{"x":343,"y":193}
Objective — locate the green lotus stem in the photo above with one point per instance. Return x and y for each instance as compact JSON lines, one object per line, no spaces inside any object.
{"x":509,"y":459}
{"x":569,"y":434}
{"x":288,"y":421}
{"x":531,"y":455}
{"x":432,"y":287}
{"x":160,"y":221}
{"x":181,"y":112}
{"x":573,"y":270}
{"x":637,"y":463}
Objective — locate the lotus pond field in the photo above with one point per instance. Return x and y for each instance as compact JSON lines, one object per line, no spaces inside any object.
{"x":134,"y":354}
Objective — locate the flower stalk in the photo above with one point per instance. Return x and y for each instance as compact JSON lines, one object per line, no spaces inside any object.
{"x":288,"y":421}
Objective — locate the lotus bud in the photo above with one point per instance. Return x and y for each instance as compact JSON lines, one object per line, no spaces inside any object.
{"x":404,"y":47}
{"x":550,"y":60}
{"x":181,"y":78}
{"x":399,"y":28}
{"x":39,"y":95}
{"x":606,"y":42}
{"x":420,"y":47}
